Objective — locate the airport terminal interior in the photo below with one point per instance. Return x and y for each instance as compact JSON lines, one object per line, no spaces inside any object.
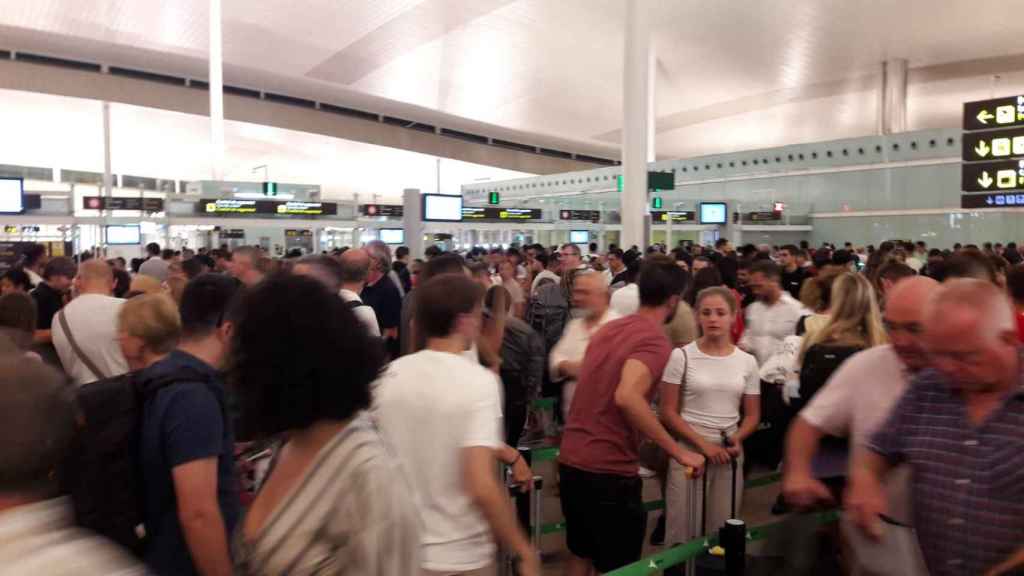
{"x":512,"y":287}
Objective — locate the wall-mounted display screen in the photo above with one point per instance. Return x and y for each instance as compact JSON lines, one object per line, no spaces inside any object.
{"x":579,"y":237}
{"x":12,"y":195}
{"x":127,"y":235}
{"x":392,"y":235}
{"x":442,"y":208}
{"x":713,"y":213}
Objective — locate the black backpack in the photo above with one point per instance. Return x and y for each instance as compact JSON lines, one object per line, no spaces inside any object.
{"x":820,"y":361}
{"x":548,"y":313}
{"x":102,"y":473}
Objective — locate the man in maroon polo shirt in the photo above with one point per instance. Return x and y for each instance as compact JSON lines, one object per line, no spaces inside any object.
{"x":599,"y":462}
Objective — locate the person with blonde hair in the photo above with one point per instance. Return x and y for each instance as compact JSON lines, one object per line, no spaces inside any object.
{"x":854,"y":320}
{"x":710,"y":401}
{"x":148,"y":329}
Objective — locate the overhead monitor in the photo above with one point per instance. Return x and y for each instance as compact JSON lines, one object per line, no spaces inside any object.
{"x":442,"y":208}
{"x":713,"y":212}
{"x":12,"y":195}
{"x":579,"y":237}
{"x":392,"y":235}
{"x":124,"y":235}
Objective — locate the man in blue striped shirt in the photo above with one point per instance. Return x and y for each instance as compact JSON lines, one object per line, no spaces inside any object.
{"x":960,"y":427}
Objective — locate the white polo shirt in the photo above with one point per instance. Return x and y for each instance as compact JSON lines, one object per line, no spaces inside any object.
{"x":365,"y":313}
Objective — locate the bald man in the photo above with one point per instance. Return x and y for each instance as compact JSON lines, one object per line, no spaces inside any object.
{"x":85,"y":331}
{"x":589,"y":296}
{"x":960,"y":430}
{"x":355,"y":267}
{"x":859,"y":395}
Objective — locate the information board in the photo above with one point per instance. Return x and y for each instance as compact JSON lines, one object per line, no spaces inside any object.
{"x":993,"y":144}
{"x":764,"y":216}
{"x":234,"y":207}
{"x":680,"y":217}
{"x":580,"y":215}
{"x":389,"y":210}
{"x":1009,"y":199}
{"x":489,"y":214}
{"x":994,"y":113}
{"x":123,"y":203}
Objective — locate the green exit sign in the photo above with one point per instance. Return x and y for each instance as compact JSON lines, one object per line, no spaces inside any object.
{"x":493,"y":198}
{"x":656,"y":202}
{"x":270,"y":188}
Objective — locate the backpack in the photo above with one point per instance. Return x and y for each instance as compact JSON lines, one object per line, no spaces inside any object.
{"x":548,"y":313}
{"x":103,"y":474}
{"x":522,"y":361}
{"x":820,"y":361}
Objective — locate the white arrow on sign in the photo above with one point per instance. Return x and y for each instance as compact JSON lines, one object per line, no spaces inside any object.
{"x":988,"y":200}
{"x":982,"y":149}
{"x":985,"y":181}
{"x":984,"y":116}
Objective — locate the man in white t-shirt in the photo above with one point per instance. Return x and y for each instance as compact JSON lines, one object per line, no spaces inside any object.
{"x":858,"y":398}
{"x":551,"y":265}
{"x":774,"y":315}
{"x":91,"y":319}
{"x":590,"y":296}
{"x":442,"y":414}
{"x":355,"y":266}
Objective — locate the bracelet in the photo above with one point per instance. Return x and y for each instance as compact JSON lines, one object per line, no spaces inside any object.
{"x":519,"y":456}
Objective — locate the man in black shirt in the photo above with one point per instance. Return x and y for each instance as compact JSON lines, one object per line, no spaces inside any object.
{"x":617,"y":266}
{"x":793,"y":275}
{"x":49,"y":295}
{"x":381,"y":294}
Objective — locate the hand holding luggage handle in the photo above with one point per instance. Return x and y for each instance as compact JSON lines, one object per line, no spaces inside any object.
{"x":731,"y":536}
{"x":507,"y":562}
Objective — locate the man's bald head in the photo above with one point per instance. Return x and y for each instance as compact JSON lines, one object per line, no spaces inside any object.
{"x":971,"y":335}
{"x":904,"y":318}
{"x":355,"y":265}
{"x":95,"y":277}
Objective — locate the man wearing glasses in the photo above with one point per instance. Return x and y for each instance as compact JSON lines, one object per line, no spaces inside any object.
{"x":857,"y":399}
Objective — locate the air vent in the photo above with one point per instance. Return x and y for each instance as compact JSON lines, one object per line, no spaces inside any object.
{"x":555,"y":153}
{"x":349,"y":112}
{"x":5,"y":54}
{"x":59,"y":62}
{"x":513,"y":146}
{"x":466,"y":136}
{"x":150,"y":76}
{"x":596,"y":160}
{"x":290,"y":100}
{"x":410,"y":124}
{"x":237,"y":91}
{"x":82,"y":177}
{"x":199,"y":84}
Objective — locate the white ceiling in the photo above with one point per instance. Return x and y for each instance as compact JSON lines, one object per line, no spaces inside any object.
{"x":731,"y":75}
{"x":56,"y":131}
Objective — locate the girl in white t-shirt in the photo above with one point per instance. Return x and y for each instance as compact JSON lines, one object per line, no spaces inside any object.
{"x":710,"y":387}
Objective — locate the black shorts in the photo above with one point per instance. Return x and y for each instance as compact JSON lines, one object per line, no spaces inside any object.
{"x":605,"y":520}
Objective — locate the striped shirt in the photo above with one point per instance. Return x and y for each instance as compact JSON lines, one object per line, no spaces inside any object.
{"x":351,"y":514}
{"x":40,"y":539}
{"x":968,"y":479}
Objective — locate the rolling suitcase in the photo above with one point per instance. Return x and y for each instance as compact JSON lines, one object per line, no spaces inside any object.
{"x":506,"y":562}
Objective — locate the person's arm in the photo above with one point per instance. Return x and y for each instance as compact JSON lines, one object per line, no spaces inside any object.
{"x":866,"y":500}
{"x":195,"y":484}
{"x":631,"y":399}
{"x":751,"y":419}
{"x":669,"y":410}
{"x":490,"y":498}
{"x":561,"y":365}
{"x":799,"y":486}
{"x":521,"y":473}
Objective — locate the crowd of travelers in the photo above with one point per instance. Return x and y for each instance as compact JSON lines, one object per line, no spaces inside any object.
{"x":222,"y":412}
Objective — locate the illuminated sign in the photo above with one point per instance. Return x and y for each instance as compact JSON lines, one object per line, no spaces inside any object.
{"x":235,"y":207}
{"x":389,"y":210}
{"x":231,"y":234}
{"x":655,"y":181}
{"x":123,"y":203}
{"x":298,"y":233}
{"x":995,"y":113}
{"x":765,"y":216}
{"x":993,"y":145}
{"x":493,"y":198}
{"x":992,"y":200}
{"x":584,"y":215}
{"x":682,"y":217}
{"x":983,"y":177}
{"x":501,"y":214}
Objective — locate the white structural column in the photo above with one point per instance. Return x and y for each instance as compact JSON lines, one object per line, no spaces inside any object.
{"x":108,"y":175}
{"x":893,"y":102}
{"x":637,"y":124}
{"x":216,"y":92}
{"x":412,"y":222}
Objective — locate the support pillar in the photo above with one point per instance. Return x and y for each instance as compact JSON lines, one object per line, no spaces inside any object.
{"x":216,"y":93}
{"x":892,"y":111}
{"x":412,"y":222}
{"x":637,"y":125}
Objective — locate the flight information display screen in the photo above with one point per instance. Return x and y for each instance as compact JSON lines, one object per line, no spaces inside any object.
{"x":713,"y":212}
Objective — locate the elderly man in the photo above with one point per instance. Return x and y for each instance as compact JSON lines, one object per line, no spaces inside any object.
{"x":857,"y":399}
{"x":960,"y":429}
{"x":383,"y":294}
{"x":355,"y":265}
{"x":590,"y":296}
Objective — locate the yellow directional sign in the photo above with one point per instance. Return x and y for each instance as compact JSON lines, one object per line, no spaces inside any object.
{"x":988,"y":176}
{"x":982,"y":149}
{"x":985,"y":181}
{"x":1000,"y":144}
{"x":984,"y":116}
{"x":995,"y":113}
